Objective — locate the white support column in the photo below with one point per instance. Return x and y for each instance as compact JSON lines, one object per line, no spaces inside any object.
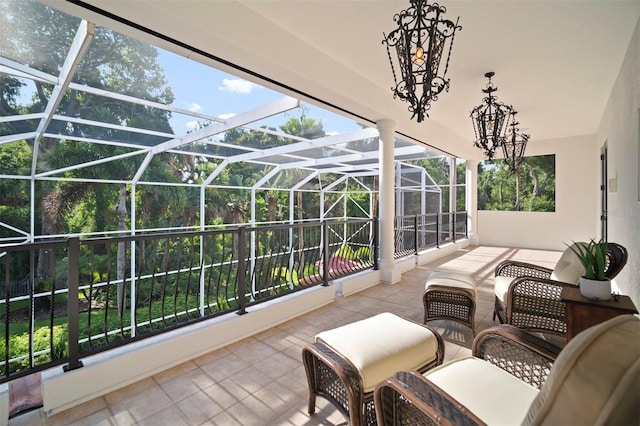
{"x":453,"y":181}
{"x":452,"y":196}
{"x":471,"y":187}
{"x":386,"y":129}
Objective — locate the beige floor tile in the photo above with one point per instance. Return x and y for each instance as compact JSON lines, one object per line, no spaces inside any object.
{"x":79,"y":412}
{"x":122,"y":418}
{"x":225,"y":367}
{"x":170,"y":416}
{"x":199,"y":408}
{"x":138,"y":401}
{"x":225,"y":418}
{"x":276,"y":338}
{"x":227,"y":393}
{"x":260,"y":406}
{"x":211,"y":357}
{"x":251,"y":379}
{"x":174,"y":372}
{"x":188,"y":383}
{"x":244,"y":415}
{"x":222,"y":396}
{"x":100,"y":418}
{"x":278,"y":365}
{"x":253,"y":351}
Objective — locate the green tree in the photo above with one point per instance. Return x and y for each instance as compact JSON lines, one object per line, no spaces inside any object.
{"x":309,"y":128}
{"x":532,"y":188}
{"x":40,"y":37}
{"x":461,"y":196}
{"x":15,"y":159}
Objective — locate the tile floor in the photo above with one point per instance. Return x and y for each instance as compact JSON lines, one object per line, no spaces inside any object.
{"x":261,"y":380}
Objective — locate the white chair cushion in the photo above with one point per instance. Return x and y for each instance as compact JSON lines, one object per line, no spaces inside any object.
{"x":492,"y":394}
{"x":453,"y":280}
{"x":501,"y":287}
{"x":382,"y":345}
{"x":568,"y":269}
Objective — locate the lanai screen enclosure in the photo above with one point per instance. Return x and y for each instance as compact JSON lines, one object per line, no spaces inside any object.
{"x":102,"y":133}
{"x":154,"y":190}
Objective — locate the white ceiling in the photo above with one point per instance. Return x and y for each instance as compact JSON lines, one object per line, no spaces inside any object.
{"x":555,"y":61}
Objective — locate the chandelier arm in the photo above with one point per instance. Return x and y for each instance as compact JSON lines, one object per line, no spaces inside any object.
{"x":453,"y":37}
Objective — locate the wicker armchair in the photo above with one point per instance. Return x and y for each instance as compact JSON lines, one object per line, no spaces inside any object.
{"x":584,"y":383}
{"x":528,"y":296}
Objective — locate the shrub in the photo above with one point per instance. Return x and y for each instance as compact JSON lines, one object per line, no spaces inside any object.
{"x":19,"y":347}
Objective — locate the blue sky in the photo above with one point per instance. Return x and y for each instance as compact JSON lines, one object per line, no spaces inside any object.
{"x":203,"y":89}
{"x":200,"y":88}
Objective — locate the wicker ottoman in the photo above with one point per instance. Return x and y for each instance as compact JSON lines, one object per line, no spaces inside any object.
{"x":452,"y":296}
{"x":344,"y":364}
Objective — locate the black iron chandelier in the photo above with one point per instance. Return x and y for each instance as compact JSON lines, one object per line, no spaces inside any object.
{"x":514,"y":145}
{"x":421,"y":40}
{"x":490,"y":121}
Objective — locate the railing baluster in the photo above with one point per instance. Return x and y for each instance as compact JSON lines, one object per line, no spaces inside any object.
{"x":32,"y":291}
{"x":466,"y":225}
{"x":7,"y":306}
{"x":242,"y":272}
{"x":415,"y":234}
{"x":72,"y":306}
{"x":325,"y":253}
{"x":376,"y":264}
{"x":438,"y":221}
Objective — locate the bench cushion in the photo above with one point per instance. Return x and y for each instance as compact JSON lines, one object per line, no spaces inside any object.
{"x":382,"y":345}
{"x":492,"y":394}
{"x":453,"y":280}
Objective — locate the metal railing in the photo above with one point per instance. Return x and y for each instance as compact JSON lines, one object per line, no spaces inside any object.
{"x":419,"y":232}
{"x":63,"y":300}
{"x":84,"y":296}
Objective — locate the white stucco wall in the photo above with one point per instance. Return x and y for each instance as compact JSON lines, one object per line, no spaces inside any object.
{"x":577,"y":180}
{"x":578,"y":206}
{"x":619,"y":128}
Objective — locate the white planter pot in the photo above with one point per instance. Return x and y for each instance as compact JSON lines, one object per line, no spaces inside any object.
{"x":594,"y":289}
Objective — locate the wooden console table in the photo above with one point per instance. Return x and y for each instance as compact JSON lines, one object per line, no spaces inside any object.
{"x":583,"y":313}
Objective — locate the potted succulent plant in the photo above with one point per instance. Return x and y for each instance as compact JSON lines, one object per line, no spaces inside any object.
{"x":594,"y":284}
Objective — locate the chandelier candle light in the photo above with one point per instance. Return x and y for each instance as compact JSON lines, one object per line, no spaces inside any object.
{"x":490,"y":121}
{"x":420,"y":42}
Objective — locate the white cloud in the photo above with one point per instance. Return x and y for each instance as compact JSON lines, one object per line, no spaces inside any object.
{"x":237,"y":85}
{"x":192,"y":125}
{"x":226,"y":116}
{"x":332,"y":133}
{"x":194,"y":107}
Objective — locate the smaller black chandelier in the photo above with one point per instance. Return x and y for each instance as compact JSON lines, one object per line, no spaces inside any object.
{"x":421,"y":40}
{"x":490,"y":121}
{"x":514,"y":145}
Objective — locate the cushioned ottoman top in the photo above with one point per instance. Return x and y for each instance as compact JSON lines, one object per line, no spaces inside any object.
{"x":381,"y":345}
{"x":453,"y":280}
